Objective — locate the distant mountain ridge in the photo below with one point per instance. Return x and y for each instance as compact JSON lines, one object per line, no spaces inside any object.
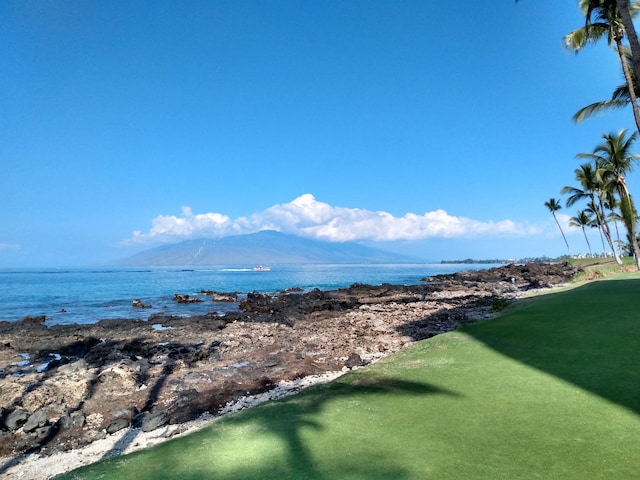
{"x":261,"y":248}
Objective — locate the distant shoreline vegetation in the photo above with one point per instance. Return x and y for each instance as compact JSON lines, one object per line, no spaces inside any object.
{"x":503,"y":261}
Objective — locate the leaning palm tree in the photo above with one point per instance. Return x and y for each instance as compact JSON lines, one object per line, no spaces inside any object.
{"x":590,"y":179}
{"x":620,"y":98}
{"x":626,"y":14}
{"x":582,"y":220}
{"x":616,"y":218}
{"x":619,"y":14}
{"x":610,"y":202}
{"x":591,"y":211}
{"x":603,"y":20}
{"x":554,"y":205}
{"x":614,"y":156}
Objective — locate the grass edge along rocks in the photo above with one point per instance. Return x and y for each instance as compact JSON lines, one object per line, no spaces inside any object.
{"x":547,"y":390}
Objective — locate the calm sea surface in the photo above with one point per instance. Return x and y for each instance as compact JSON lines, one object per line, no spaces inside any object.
{"x":90,"y":294}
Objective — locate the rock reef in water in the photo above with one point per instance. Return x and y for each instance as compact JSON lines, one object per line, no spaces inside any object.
{"x":65,"y":386}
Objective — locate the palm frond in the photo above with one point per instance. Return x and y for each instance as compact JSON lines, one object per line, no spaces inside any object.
{"x":553,"y":205}
{"x":622,"y":92}
{"x":586,"y":35}
{"x":628,"y":213}
{"x":599,"y":107}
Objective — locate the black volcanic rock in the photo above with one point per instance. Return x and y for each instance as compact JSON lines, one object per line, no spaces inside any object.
{"x":117,"y":373}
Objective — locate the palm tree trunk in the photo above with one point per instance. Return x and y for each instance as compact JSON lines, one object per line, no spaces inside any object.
{"x":607,"y":232}
{"x":629,"y":80}
{"x":615,"y":224}
{"x":630,"y":30}
{"x":565,"y":238}
{"x":602,"y":238}
{"x":584,"y":232}
{"x":628,"y":215}
{"x":612,"y":215}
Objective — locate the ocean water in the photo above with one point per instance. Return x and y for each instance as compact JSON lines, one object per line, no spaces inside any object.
{"x":86,"y":295}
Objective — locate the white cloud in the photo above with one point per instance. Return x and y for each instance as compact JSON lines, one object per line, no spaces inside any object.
{"x":564,"y":221}
{"x":166,"y":228}
{"x":9,"y":246}
{"x":305,"y":216}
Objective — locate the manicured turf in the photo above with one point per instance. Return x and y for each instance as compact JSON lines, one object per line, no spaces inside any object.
{"x":551,"y":390}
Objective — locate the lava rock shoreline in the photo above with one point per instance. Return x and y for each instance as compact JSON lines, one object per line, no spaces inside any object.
{"x":64,"y":386}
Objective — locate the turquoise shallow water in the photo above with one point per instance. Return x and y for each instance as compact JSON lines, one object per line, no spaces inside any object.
{"x":90,"y":294}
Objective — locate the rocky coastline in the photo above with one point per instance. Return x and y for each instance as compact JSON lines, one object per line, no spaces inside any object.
{"x":64,"y":387}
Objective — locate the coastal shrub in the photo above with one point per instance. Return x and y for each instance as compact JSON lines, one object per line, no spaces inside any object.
{"x":499,"y":304}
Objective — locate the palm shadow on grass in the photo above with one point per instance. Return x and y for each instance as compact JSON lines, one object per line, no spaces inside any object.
{"x":589,"y":336}
{"x":298,"y":414}
{"x":284,"y":421}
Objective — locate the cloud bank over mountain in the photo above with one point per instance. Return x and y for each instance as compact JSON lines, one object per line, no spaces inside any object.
{"x":307,"y":217}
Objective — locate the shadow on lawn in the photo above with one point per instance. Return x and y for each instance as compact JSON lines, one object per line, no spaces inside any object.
{"x":589,"y":336}
{"x":287,"y":419}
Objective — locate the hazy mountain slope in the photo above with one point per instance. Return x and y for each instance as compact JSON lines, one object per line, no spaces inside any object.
{"x":267,"y":247}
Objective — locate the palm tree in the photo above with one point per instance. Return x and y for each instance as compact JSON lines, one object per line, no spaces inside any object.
{"x":620,"y":98}
{"x":614,"y":156}
{"x":610,"y":202}
{"x":616,"y":218}
{"x":591,"y":211}
{"x":554,"y":205}
{"x":590,"y":179}
{"x":625,"y":11}
{"x":608,"y":23}
{"x":582,"y":220}
{"x":626,"y":14}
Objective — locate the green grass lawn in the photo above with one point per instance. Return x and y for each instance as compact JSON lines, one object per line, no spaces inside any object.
{"x":550,"y":390}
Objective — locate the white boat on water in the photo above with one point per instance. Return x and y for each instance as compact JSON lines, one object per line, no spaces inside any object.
{"x":261,"y":268}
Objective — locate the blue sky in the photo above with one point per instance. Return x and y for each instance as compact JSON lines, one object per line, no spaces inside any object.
{"x":436,"y":129}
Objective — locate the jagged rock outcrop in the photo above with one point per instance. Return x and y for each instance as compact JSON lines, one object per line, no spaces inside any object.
{"x":65,"y":386}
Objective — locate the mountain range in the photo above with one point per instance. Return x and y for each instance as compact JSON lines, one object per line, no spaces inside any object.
{"x":261,"y":248}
